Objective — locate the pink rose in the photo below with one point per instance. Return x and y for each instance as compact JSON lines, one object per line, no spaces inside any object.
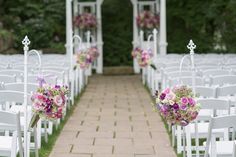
{"x":166,"y":91}
{"x":58,"y":100}
{"x":184,"y":101}
{"x":191,"y":101}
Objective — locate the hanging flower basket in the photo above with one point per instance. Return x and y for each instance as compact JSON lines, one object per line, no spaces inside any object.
{"x":177,"y":105}
{"x":145,"y":58}
{"x":93,"y":52}
{"x":147,"y":20}
{"x":85,"y":21}
{"x":84,"y":59}
{"x":48,"y":103}
{"x":137,"y":51}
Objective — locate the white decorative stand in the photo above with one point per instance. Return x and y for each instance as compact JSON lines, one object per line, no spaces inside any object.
{"x":95,"y":8}
{"x":26,"y":43}
{"x":79,"y":73}
{"x":191,"y":46}
{"x":154,"y":6}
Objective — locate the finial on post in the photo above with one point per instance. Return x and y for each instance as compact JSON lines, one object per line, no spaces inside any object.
{"x":26,"y":43}
{"x":191,"y":46}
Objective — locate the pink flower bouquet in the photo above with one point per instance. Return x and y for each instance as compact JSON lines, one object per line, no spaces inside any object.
{"x":93,"y":52}
{"x":145,"y":58}
{"x":148,"y":20}
{"x":85,"y":21}
{"x":84,"y":59}
{"x":136,"y":52}
{"x":177,"y":105}
{"x":48,"y":102}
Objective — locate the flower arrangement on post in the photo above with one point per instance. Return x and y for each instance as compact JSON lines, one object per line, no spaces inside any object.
{"x":177,"y":105}
{"x":48,"y":103}
{"x":145,"y":58}
{"x":86,"y":21}
{"x":147,"y":20}
{"x":84,"y":59}
{"x":93,"y":52}
{"x":137,"y":51}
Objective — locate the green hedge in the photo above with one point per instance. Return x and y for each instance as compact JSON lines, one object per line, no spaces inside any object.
{"x":209,"y":23}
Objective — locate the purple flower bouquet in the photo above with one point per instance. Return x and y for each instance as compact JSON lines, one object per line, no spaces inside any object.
{"x":137,"y":51}
{"x":147,"y":20}
{"x":145,"y":58}
{"x":48,"y":103}
{"x":93,"y":52}
{"x":84,"y":59}
{"x":85,"y":21}
{"x":178,"y":105}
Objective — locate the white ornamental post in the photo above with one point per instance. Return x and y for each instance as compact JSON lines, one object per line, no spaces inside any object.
{"x":135,"y":35}
{"x":154,"y":73}
{"x":163,"y":43}
{"x":79,"y":72}
{"x":191,"y":46}
{"x":26,"y":43}
{"x":186,"y":130}
{"x":99,"y":37}
{"x":69,"y":43}
{"x":88,"y":36}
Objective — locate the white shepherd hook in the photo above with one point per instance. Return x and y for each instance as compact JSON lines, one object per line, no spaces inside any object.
{"x":26,"y":43}
{"x":191,"y":46}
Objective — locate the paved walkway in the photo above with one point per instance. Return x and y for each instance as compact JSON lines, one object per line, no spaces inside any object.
{"x":114,"y":118}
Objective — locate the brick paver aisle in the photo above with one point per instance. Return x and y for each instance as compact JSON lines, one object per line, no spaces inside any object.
{"x":114,"y":118}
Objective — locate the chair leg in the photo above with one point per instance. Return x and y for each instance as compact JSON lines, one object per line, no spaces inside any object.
{"x":36,"y":142}
{"x":173,"y":136}
{"x":45,"y":131}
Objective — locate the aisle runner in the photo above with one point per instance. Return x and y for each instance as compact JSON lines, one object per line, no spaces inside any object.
{"x":114,"y":118}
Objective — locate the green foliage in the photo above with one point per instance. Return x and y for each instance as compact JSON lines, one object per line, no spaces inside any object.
{"x":117,"y":20}
{"x":209,"y":23}
{"x":42,"y":20}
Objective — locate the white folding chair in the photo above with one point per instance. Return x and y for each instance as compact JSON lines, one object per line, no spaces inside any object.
{"x":12,"y":72}
{"x":185,"y":80}
{"x":220,"y":148}
{"x":32,"y":87}
{"x":205,"y":92}
{"x":222,"y":80}
{"x":7,"y":78}
{"x":215,"y":72}
{"x":10,"y":146}
{"x":228,"y":92}
{"x":199,"y":129}
{"x":60,"y":75}
{"x":14,"y":100}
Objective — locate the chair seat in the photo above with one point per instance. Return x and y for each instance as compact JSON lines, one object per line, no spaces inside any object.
{"x":5,"y":142}
{"x":223,"y":148}
{"x":6,"y":145}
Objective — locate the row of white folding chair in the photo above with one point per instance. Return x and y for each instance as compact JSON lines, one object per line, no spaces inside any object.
{"x":213,"y":80}
{"x":15,"y":100}
{"x":10,"y":146}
